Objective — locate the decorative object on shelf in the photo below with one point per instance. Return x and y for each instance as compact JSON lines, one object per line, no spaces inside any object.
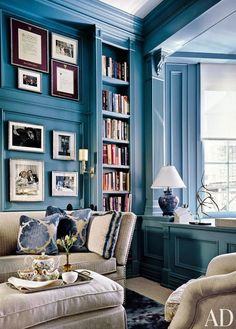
{"x":83,"y":158}
{"x":204,"y":200}
{"x":67,"y":242}
{"x":168,"y":178}
{"x":24,"y":136}
{"x":64,"y":183}
{"x":64,"y":48}
{"x":29,"y":80}
{"x":64,"y":145}
{"x":64,"y":80}
{"x":26,"y":180}
{"x":29,"y":45}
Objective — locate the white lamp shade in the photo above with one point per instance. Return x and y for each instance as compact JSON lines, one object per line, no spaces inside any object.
{"x":83,"y":155}
{"x":168,"y":177}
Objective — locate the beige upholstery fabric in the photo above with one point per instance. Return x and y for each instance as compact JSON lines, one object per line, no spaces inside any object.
{"x":102,"y":319}
{"x":203,"y":295}
{"x":222,"y":264}
{"x":125,"y":237}
{"x":91,"y":261}
{"x":20,"y":310}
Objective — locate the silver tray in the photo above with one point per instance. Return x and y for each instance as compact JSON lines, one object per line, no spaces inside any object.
{"x":82,"y":279}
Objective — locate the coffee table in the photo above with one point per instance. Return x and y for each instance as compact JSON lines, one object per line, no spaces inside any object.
{"x":94,"y":305}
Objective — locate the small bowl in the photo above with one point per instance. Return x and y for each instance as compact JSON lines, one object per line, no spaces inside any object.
{"x":69,"y":277}
{"x":26,"y":274}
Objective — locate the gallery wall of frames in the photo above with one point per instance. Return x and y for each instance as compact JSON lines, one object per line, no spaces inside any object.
{"x":44,"y":113}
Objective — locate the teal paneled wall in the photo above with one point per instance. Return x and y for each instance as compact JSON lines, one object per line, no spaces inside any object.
{"x":80,"y":21}
{"x":182,"y":126}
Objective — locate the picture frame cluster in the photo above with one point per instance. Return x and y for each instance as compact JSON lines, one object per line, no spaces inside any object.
{"x":30,"y":53}
{"x":27,"y":176}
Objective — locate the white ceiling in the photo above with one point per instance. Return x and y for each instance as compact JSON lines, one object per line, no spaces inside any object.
{"x":138,"y":8}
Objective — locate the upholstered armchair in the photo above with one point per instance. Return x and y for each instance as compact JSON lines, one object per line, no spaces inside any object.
{"x":207,"y":302}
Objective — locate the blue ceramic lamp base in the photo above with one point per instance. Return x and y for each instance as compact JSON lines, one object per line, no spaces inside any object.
{"x":168,"y":203}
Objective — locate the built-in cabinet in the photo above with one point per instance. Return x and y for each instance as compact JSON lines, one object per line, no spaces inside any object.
{"x":174,"y":253}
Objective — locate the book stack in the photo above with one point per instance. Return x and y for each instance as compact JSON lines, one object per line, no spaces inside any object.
{"x":114,"y":102}
{"x":115,"y":129}
{"x":118,"y":203}
{"x":114,"y":69}
{"x":116,"y":181}
{"x":115,"y":155}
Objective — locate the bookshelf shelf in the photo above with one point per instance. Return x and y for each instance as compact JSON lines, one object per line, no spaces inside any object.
{"x":110,"y":166}
{"x":116,"y":141}
{"x":115,"y":192}
{"x":115,"y":115}
{"x":114,"y":81}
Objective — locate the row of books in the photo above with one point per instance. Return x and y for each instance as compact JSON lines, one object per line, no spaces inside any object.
{"x":114,"y":69}
{"x":115,"y":155}
{"x":116,"y":181}
{"x":115,"y":129}
{"x":118,"y":203}
{"x":115,"y":102}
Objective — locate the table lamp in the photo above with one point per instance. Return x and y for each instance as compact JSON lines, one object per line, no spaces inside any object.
{"x":167,"y":179}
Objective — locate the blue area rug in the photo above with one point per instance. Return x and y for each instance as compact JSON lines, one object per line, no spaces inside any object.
{"x":143,"y":312}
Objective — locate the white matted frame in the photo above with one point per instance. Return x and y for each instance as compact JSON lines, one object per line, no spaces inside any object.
{"x":26,"y":137}
{"x":64,"y":48}
{"x":26,"y":180}
{"x":64,"y":183}
{"x":29,"y":80}
{"x":64,"y":145}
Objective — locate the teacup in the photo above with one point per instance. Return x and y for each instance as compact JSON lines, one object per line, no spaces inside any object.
{"x":26,"y":274}
{"x":69,"y":277}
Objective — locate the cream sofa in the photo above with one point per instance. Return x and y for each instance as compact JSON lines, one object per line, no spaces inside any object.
{"x":114,"y":268}
{"x":207,"y":302}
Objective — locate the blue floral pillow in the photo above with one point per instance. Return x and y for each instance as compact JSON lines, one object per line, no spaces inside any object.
{"x":75,"y":223}
{"x":38,"y":235}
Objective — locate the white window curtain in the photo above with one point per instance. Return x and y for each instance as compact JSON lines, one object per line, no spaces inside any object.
{"x":218,"y":101}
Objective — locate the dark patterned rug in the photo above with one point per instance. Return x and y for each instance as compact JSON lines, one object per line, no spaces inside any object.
{"x":143,"y":312}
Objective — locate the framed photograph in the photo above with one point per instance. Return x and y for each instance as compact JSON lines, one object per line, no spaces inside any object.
{"x":25,"y":137}
{"x":64,"y":145}
{"x":26,"y":180}
{"x":64,"y":183}
{"x":64,"y":48}
{"x":29,"y":45}
{"x":29,"y":80}
{"x":64,"y":80}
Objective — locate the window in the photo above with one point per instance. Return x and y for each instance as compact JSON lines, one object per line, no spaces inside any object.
{"x":218,"y":133}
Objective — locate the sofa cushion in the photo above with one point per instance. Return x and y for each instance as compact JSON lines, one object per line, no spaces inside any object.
{"x":103,"y":233}
{"x":28,"y":309}
{"x":75,"y":223}
{"x":9,"y":265}
{"x":37,"y":235}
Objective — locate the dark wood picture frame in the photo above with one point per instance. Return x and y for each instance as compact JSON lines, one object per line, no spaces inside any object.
{"x":64,"y":80}
{"x":29,"y":45}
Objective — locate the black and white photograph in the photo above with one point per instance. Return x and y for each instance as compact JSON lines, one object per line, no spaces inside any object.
{"x":29,"y":80}
{"x":64,"y":48}
{"x":25,"y":137}
{"x":64,"y":183}
{"x":64,"y":145}
{"x":26,"y":180}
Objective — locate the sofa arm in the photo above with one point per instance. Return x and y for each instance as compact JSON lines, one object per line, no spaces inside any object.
{"x":202,"y":296}
{"x":125,"y":237}
{"x":222,"y":264}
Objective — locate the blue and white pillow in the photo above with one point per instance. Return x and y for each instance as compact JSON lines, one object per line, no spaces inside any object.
{"x":38,"y":235}
{"x":74,"y":224}
{"x":103,"y":233}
